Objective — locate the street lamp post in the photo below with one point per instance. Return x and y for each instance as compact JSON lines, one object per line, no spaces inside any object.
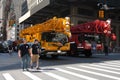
{"x":1,"y":34}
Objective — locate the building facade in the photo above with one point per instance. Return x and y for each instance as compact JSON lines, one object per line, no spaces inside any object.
{"x":38,"y":11}
{"x":10,"y":13}
{"x":17,"y":11}
{"x":1,"y":19}
{"x":23,"y":13}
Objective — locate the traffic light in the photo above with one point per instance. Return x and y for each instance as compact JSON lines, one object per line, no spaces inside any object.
{"x":101,"y":14}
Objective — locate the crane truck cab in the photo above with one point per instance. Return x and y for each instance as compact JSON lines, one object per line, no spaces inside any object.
{"x":53,"y":36}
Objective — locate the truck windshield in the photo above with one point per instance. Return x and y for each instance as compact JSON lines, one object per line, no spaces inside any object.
{"x":54,"y":37}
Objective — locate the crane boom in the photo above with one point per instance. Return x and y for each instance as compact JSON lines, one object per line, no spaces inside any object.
{"x":55,"y":24}
{"x":96,"y":26}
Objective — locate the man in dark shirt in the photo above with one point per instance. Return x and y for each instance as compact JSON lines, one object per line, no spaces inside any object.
{"x":35,"y":51}
{"x":24,"y":54}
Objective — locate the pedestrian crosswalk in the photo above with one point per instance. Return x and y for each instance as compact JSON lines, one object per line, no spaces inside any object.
{"x":55,"y":76}
{"x":95,"y":73}
{"x":75,"y":74}
{"x":107,"y":70}
{"x":33,"y":77}
{"x":7,"y":76}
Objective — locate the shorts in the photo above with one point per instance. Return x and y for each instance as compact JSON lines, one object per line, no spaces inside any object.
{"x":35,"y":57}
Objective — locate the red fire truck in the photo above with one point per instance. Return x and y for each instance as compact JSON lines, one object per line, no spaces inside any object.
{"x":84,"y":34}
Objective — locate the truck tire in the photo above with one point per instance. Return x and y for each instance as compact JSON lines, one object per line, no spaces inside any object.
{"x":73,"y":50}
{"x":54,"y":56}
{"x":88,"y":53}
{"x":43,"y":54}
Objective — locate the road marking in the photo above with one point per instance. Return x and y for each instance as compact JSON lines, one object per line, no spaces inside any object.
{"x":106,"y":64}
{"x":104,"y":67}
{"x":7,"y":76}
{"x":113,"y":63}
{"x":100,"y":69}
{"x":33,"y":77}
{"x":75,"y":74}
{"x":95,"y":73}
{"x":55,"y":76}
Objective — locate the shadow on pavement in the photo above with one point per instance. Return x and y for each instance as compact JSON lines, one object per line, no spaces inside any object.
{"x":13,"y":62}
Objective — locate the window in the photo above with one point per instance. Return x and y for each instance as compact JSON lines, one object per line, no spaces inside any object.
{"x":24,"y":7}
{"x":85,"y":12}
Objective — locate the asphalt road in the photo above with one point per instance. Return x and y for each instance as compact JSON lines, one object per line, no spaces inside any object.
{"x":98,"y":67}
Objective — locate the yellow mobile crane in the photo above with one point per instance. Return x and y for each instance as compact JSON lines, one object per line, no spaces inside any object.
{"x":53,"y":36}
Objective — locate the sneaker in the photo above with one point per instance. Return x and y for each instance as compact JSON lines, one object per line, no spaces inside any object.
{"x":31,"y":67}
{"x":23,"y":69}
{"x":27,"y":69}
{"x":38,"y":68}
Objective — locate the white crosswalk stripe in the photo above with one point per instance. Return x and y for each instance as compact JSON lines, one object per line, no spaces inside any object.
{"x":30,"y":75}
{"x":106,"y":67}
{"x":75,"y":74}
{"x":55,"y":76}
{"x":7,"y":76}
{"x":107,"y":64}
{"x":113,"y":62}
{"x":100,"y":69}
{"x":95,"y":73}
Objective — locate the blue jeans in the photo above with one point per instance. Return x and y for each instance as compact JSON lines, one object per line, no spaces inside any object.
{"x":93,"y":51}
{"x":25,"y":61}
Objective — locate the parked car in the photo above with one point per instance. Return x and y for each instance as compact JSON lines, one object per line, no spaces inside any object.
{"x":3,"y":47}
